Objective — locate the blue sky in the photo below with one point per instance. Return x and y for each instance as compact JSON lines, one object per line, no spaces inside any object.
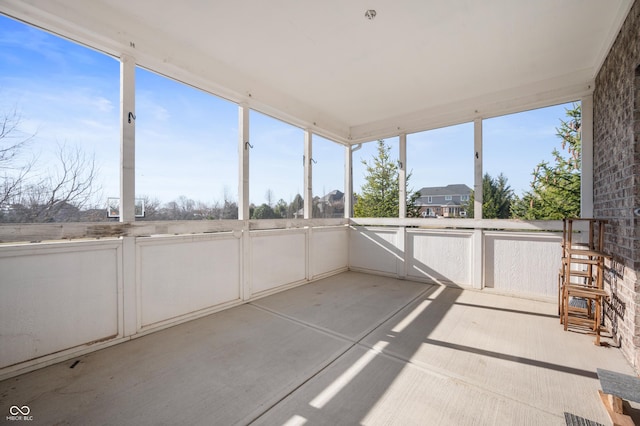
{"x":186,"y":140}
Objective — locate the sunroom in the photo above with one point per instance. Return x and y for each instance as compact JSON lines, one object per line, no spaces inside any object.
{"x":319,"y":318}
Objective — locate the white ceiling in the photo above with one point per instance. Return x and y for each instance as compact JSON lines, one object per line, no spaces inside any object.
{"x":322,"y":65}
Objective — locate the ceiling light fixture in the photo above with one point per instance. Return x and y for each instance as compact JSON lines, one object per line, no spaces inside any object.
{"x":370,"y":14}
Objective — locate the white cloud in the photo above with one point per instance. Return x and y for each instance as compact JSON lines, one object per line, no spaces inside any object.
{"x":102,"y":104}
{"x":147,"y":106}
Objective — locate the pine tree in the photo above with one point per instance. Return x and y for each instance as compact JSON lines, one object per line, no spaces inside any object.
{"x":263,"y":212}
{"x":555,"y":188}
{"x":380,"y":193}
{"x":497,"y":197}
{"x":295,"y":207}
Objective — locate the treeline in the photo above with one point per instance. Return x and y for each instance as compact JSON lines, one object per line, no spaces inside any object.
{"x":331,"y":205}
{"x":183,"y":208}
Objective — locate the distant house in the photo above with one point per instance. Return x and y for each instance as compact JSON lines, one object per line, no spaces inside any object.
{"x":444,"y":201}
{"x":327,"y":206}
{"x":330,"y":205}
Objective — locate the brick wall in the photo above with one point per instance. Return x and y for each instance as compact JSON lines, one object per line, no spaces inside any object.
{"x":617,"y":180}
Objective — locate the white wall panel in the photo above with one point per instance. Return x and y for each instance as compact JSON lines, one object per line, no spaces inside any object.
{"x":522,"y":263}
{"x":329,"y":249}
{"x":375,"y":249}
{"x":277,"y":258}
{"x":54,"y":297}
{"x":440,"y":256}
{"x":57,"y":297}
{"x":181,"y":275}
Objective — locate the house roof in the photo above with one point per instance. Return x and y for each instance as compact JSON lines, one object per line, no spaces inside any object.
{"x":326,"y":67}
{"x":335,"y":195}
{"x":454,"y":189}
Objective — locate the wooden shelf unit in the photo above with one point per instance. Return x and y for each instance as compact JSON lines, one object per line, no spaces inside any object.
{"x":581,"y":277}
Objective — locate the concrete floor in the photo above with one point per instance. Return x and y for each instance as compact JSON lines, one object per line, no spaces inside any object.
{"x":350,"y":349}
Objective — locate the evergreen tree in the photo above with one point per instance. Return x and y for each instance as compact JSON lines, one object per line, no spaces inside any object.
{"x":497,"y":197}
{"x":413,"y":210}
{"x":380,"y":193}
{"x":295,"y":206}
{"x":281,"y":209}
{"x":555,"y":189}
{"x":263,"y":211}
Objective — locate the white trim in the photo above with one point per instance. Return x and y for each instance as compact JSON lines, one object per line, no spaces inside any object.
{"x":623,"y":11}
{"x":477,"y":259}
{"x":541,"y":94}
{"x":244,"y":145}
{"x":586,"y":169}
{"x":501,"y":224}
{"x":402,"y":177}
{"x":127,"y":139}
{"x":308,"y":174}
{"x":477,"y":168}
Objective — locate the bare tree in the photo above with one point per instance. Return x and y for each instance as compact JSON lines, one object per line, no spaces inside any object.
{"x":12,"y":143}
{"x":269,"y":197}
{"x":151,"y":208}
{"x":66,"y":190}
{"x":230,"y":207}
{"x":60,"y":194}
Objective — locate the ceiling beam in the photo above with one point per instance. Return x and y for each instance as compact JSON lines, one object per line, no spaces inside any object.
{"x":541,"y":94}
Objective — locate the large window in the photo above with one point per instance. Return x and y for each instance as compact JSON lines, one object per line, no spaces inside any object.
{"x":276,"y":176}
{"x":186,"y":151}
{"x":328,"y":178}
{"x":59,"y":111}
{"x":375,"y":179}
{"x":440,"y":163}
{"x":527,"y":161}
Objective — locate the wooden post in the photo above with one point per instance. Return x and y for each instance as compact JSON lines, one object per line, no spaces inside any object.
{"x":614,"y":407}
